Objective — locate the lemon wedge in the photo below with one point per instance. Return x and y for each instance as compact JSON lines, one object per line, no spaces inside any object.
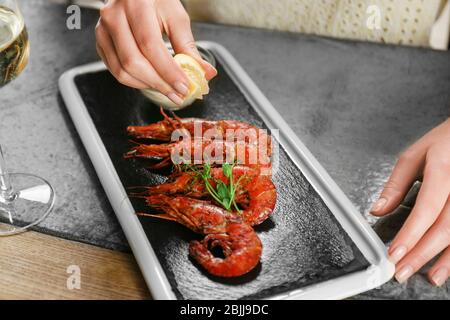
{"x":198,"y":85}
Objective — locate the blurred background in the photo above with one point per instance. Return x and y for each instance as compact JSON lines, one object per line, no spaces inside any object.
{"x":403,"y":22}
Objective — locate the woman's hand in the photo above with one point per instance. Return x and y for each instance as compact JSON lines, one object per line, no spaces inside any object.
{"x":130,"y":42}
{"x":426,"y":232}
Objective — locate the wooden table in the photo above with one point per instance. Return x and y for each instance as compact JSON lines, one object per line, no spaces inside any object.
{"x":36,"y":266}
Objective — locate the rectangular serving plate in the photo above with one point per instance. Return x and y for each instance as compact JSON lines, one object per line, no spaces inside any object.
{"x":381,"y":269}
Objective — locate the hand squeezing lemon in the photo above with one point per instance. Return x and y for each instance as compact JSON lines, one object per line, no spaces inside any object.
{"x":198,"y":85}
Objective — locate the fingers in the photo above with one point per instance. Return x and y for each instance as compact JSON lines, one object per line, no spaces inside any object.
{"x":114,"y":25}
{"x":430,"y":202}
{"x":439,"y":273}
{"x":106,"y":51}
{"x":403,"y":176}
{"x":146,"y":29}
{"x":178,"y":28}
{"x":436,"y":239}
{"x":426,"y":232}
{"x":185,"y":43}
{"x":129,"y":39}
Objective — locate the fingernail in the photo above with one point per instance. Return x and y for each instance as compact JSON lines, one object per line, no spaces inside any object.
{"x":181,"y":88}
{"x":440,"y":276}
{"x":214,"y":70}
{"x":404,"y":273}
{"x":212,"y":67}
{"x":379,"y":205}
{"x":397,"y":255}
{"x":175,"y":98}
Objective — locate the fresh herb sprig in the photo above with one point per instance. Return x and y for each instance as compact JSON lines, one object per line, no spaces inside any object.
{"x":222,"y":193}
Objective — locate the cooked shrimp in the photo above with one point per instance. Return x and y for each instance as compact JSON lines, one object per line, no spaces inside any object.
{"x":240,"y":244}
{"x":255,"y":193}
{"x":199,"y":151}
{"x":197,"y":128}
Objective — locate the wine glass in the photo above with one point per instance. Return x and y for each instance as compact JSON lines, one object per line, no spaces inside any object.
{"x":25,"y":199}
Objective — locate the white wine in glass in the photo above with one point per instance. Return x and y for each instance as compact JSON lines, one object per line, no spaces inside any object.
{"x":25,"y":199}
{"x":14,"y":45}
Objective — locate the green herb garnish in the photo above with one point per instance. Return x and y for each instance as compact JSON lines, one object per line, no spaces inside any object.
{"x":222,"y":193}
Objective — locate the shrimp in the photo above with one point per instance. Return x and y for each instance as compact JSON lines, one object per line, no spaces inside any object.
{"x":196,"y":127}
{"x":240,"y":244}
{"x":199,"y":151}
{"x":255,"y":193}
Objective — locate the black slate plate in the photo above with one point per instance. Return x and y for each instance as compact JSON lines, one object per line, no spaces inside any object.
{"x":303,"y":242}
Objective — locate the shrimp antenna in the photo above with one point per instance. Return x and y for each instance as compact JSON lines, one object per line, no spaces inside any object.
{"x":135,"y":142}
{"x":137,"y":195}
{"x":137,"y":187}
{"x":175,"y":121}
{"x":165,"y":116}
{"x":159,"y":216}
{"x":176,"y":117}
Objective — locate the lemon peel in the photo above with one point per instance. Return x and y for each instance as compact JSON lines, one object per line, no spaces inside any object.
{"x":198,"y":85}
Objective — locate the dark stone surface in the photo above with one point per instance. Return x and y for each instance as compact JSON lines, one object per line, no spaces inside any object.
{"x":355,"y":105}
{"x":302,"y":241}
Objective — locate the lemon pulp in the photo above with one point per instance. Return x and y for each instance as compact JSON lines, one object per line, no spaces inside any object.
{"x":198,"y":85}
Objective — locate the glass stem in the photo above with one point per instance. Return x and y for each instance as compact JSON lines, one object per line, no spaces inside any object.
{"x":6,"y":190}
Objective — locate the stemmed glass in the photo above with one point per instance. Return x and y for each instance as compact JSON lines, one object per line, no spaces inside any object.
{"x":25,"y":199}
